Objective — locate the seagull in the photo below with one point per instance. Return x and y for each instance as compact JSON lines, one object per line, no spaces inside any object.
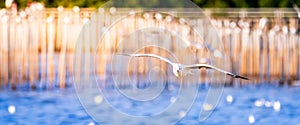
{"x":178,"y":68}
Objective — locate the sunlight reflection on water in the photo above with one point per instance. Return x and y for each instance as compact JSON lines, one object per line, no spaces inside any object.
{"x":62,"y":106}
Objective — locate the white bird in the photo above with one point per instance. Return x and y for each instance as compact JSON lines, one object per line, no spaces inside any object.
{"x":178,"y":68}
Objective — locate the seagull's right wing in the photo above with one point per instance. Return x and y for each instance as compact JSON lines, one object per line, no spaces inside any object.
{"x":207,"y":66}
{"x":148,"y":55}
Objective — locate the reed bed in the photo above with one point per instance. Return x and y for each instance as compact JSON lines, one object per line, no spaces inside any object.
{"x":37,"y":48}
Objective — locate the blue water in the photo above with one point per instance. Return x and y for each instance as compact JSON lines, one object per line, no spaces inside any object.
{"x":63,"y":107}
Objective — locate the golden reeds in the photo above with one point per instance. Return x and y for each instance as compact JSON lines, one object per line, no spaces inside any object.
{"x":39,"y":48}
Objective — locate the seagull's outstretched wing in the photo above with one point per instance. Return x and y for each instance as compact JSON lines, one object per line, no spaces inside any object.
{"x":148,"y":55}
{"x":207,"y":66}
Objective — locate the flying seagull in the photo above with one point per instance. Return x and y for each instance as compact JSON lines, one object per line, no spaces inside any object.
{"x":178,"y":68}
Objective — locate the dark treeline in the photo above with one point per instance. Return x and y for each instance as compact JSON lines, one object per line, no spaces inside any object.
{"x":246,"y":3}
{"x":202,"y":3}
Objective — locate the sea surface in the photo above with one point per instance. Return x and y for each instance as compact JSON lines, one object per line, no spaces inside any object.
{"x":249,"y":104}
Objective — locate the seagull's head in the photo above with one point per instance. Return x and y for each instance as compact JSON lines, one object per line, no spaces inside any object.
{"x":177,"y":68}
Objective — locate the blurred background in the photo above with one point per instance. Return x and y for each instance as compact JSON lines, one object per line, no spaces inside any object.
{"x":201,"y":3}
{"x":38,"y":45}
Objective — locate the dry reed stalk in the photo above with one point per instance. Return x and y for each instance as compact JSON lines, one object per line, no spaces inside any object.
{"x":75,"y":29}
{"x":294,"y":48}
{"x":272,"y":54}
{"x":245,"y":50}
{"x":50,"y":51}
{"x":87,"y":52}
{"x":298,"y":56}
{"x":98,"y":49}
{"x":235,"y":56}
{"x":101,"y":60}
{"x":18,"y":53}
{"x":264,"y":58}
{"x":281,"y":53}
{"x":25,"y":50}
{"x":59,"y":32}
{"x":62,"y":55}
{"x":286,"y":53}
{"x":257,"y":53}
{"x":136,"y":23}
{"x":33,"y":53}
{"x":14,"y":52}
{"x":4,"y":51}
{"x":43,"y":53}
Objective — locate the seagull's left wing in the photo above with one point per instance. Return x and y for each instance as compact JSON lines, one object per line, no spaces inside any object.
{"x":207,"y":66}
{"x":148,"y":55}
